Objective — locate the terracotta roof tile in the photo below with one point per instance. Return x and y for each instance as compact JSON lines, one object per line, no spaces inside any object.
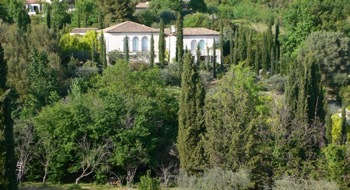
{"x":34,"y":1}
{"x":129,"y":26}
{"x":82,"y":30}
{"x":142,"y":5}
{"x":196,"y":32}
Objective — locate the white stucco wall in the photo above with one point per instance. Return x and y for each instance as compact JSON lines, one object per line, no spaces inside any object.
{"x":208,"y":42}
{"x":115,"y":41}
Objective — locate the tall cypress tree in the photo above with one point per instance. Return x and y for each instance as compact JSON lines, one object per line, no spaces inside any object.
{"x":103,"y":54}
{"x":231,"y":47}
{"x":48,"y":15}
{"x":273,"y":62}
{"x":126,"y":48}
{"x":179,"y":38}
{"x":214,"y":59}
{"x":161,"y":43}
{"x":179,"y":42}
{"x":264,"y":55}
{"x":152,"y":51}
{"x":236,"y":48}
{"x":191,"y":124}
{"x":249,"y":59}
{"x":343,"y":125}
{"x":221,"y":45}
{"x":277,"y":46}
{"x":257,"y":59}
{"x":7,"y":153}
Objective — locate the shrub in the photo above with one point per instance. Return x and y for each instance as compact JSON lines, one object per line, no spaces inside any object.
{"x":290,"y":183}
{"x":275,"y":83}
{"x":148,"y":183}
{"x":336,"y":161}
{"x":74,"y":187}
{"x":216,"y":178}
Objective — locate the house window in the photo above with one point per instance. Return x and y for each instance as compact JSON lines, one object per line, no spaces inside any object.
{"x":193,"y":46}
{"x":135,"y":44}
{"x":145,"y":44}
{"x":201,"y":45}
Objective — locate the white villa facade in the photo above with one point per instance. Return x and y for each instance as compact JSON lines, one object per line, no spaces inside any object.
{"x":139,"y":40}
{"x":36,"y":6}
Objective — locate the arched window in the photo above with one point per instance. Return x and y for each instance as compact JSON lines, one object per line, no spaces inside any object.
{"x":201,"y":45}
{"x":135,"y":44}
{"x":193,"y":46}
{"x":144,"y":44}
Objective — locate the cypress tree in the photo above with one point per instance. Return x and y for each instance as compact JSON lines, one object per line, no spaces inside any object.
{"x":257,"y":60}
{"x":242,"y":46}
{"x":221,"y":45}
{"x":249,"y":49}
{"x":328,"y":123}
{"x":179,"y":43}
{"x":231,"y":47}
{"x":48,"y":15}
{"x":269,"y":42}
{"x":179,"y":38}
{"x":161,"y":43}
{"x":191,"y":124}
{"x":198,"y":55}
{"x":103,"y":54}
{"x":343,"y":125}
{"x":273,"y":62}
{"x":236,"y":48}
{"x":264,"y":55}
{"x":208,"y":58}
{"x":126,"y":48}
{"x":7,"y":153}
{"x":214,"y":59}
{"x":277,"y":46}
{"x":152,"y":51}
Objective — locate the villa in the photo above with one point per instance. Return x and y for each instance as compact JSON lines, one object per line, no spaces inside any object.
{"x":139,"y":40}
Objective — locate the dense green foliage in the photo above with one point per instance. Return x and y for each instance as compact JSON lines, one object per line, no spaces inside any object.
{"x":272,"y":115}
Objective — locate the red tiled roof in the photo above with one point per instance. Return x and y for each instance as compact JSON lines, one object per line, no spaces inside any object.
{"x":195,"y":32}
{"x":142,"y":5}
{"x":129,"y":26}
{"x":34,"y":1}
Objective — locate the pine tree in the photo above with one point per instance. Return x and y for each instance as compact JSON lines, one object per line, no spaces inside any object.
{"x":161,"y":44}
{"x":152,"y":51}
{"x":191,"y":124}
{"x":7,"y":153}
{"x":221,"y":46}
{"x":126,"y":48}
{"x":214,"y":59}
{"x":103,"y":56}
